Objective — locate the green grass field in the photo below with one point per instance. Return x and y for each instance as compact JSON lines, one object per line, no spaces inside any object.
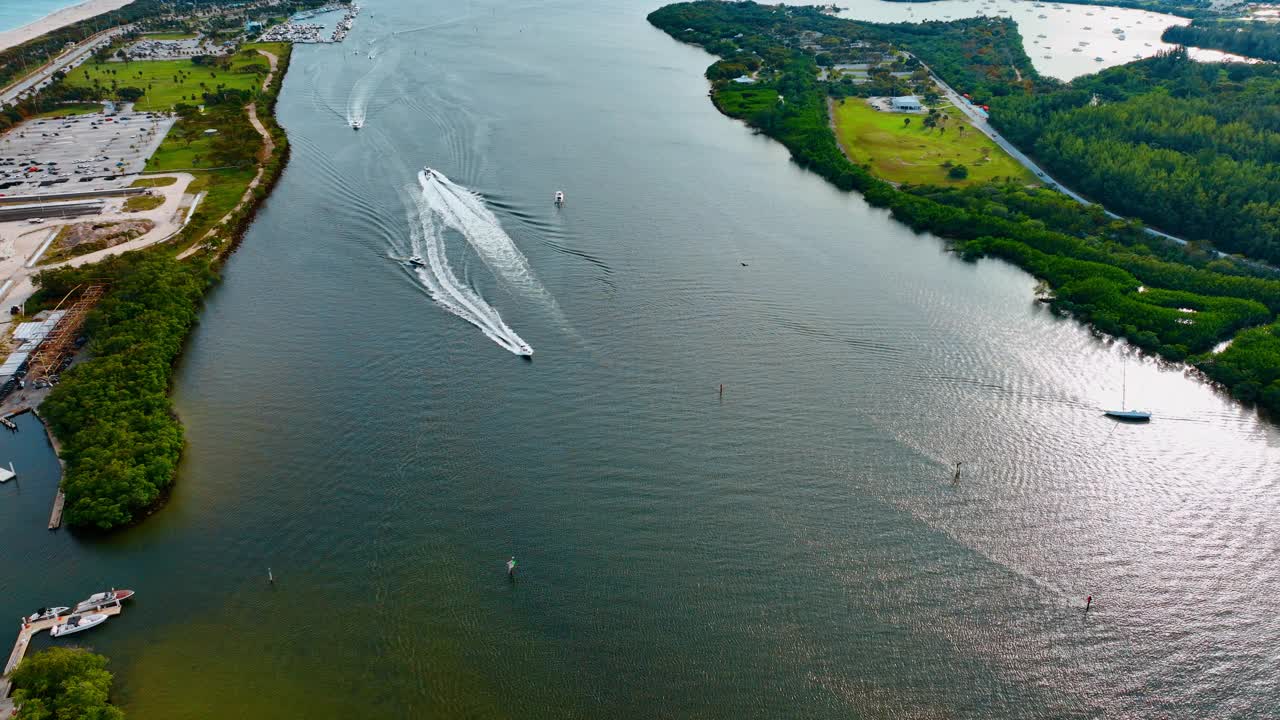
{"x":168,"y":36}
{"x":169,"y":82}
{"x":154,"y":182}
{"x":70,"y":109}
{"x":916,"y":154}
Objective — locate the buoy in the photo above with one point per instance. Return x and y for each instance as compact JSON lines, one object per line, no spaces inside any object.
{"x":511,"y":567}
{"x":271,"y":578}
{"x":1088,"y":602}
{"x":956,"y":478}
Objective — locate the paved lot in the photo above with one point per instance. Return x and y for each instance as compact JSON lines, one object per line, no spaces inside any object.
{"x":81,"y":152}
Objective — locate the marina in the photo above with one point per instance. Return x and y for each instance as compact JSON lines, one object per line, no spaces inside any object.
{"x":58,"y":625}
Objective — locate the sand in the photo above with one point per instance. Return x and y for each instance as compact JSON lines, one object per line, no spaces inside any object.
{"x":57,"y":19}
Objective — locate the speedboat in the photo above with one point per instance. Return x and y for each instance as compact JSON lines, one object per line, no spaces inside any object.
{"x":559,"y":197}
{"x":46,"y":614}
{"x":431,"y":174}
{"x":416,"y":261}
{"x":356,"y":124}
{"x":77,"y":623}
{"x":102,"y":599}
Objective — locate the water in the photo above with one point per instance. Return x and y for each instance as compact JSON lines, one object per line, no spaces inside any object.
{"x":16,"y":13}
{"x":795,"y":549}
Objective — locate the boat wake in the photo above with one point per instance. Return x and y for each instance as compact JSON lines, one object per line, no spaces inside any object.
{"x":444,"y":206}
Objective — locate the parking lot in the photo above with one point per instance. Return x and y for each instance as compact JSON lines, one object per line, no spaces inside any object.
{"x":80,"y":152}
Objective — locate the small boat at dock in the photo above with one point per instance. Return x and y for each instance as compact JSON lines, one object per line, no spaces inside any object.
{"x":102,"y":599}
{"x":77,"y":623}
{"x":46,"y":614}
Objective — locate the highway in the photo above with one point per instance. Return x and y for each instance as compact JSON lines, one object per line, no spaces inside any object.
{"x":66,"y":60}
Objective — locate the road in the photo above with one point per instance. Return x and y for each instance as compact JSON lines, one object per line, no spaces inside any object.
{"x":978,"y":121}
{"x":67,"y":59}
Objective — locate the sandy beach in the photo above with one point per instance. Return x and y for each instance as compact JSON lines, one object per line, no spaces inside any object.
{"x":58,"y":19}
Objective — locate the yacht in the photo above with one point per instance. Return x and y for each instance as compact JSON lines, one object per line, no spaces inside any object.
{"x":102,"y":599}
{"x":76,"y":623}
{"x":46,"y":614}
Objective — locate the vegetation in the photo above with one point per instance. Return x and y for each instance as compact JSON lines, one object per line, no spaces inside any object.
{"x":64,"y":683}
{"x":1185,"y":8}
{"x":142,"y":203}
{"x":120,"y":439}
{"x":163,"y":84}
{"x":121,"y":442}
{"x":1249,"y":38}
{"x":1190,"y":147}
{"x":1179,"y":302}
{"x":924,"y":151}
{"x":154,"y":182}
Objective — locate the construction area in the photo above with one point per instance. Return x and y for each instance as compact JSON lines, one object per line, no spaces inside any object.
{"x":43,"y":348}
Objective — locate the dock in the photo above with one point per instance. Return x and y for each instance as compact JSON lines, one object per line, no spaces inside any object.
{"x":28,"y":631}
{"x":55,"y":518}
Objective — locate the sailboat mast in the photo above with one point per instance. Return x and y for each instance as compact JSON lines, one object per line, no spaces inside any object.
{"x":1124,"y":377}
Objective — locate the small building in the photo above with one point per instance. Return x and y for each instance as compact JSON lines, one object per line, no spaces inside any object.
{"x":744,"y":79}
{"x":906,"y":103}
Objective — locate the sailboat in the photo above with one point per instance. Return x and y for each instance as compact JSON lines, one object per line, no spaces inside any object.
{"x":1122,"y":413}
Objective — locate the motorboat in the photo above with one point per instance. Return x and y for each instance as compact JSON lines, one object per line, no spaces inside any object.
{"x":356,"y":124}
{"x":102,"y":599}
{"x":559,"y":198}
{"x":46,"y":614}
{"x":431,"y":174}
{"x":416,"y":261}
{"x":77,"y":623}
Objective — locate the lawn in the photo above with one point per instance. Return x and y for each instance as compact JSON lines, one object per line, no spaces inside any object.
{"x":919,"y":155}
{"x":168,"y":82}
{"x":70,"y":109}
{"x":154,"y":182}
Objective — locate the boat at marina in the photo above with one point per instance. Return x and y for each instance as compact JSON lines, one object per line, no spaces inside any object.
{"x":102,"y":599}
{"x":77,"y":623}
{"x":46,"y":614}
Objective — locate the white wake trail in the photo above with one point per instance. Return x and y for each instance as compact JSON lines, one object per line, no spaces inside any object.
{"x":451,"y":293}
{"x":465,"y":211}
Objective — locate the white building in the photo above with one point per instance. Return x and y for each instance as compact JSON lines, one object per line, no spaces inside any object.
{"x":906,"y":103}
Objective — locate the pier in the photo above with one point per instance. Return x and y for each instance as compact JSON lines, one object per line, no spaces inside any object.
{"x":25,"y":633}
{"x":55,"y":518}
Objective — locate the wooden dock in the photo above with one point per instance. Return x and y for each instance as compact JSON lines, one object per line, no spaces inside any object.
{"x":28,"y":631}
{"x":55,"y":518}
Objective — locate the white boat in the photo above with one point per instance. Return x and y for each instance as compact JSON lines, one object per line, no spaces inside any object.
{"x":416,"y":261}
{"x":356,"y":124}
{"x":1122,"y":413}
{"x":102,"y":599}
{"x":46,"y":614}
{"x":77,"y":623}
{"x":559,"y":198}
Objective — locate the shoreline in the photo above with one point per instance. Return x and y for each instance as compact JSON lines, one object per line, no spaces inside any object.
{"x":58,"y":19}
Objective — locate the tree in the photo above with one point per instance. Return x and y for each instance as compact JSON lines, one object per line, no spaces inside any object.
{"x":129,"y":94}
{"x":958,"y":172}
{"x":906,"y":122}
{"x":64,"y":683}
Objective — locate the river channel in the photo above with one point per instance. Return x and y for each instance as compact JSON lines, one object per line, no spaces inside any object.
{"x":795,"y":547}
